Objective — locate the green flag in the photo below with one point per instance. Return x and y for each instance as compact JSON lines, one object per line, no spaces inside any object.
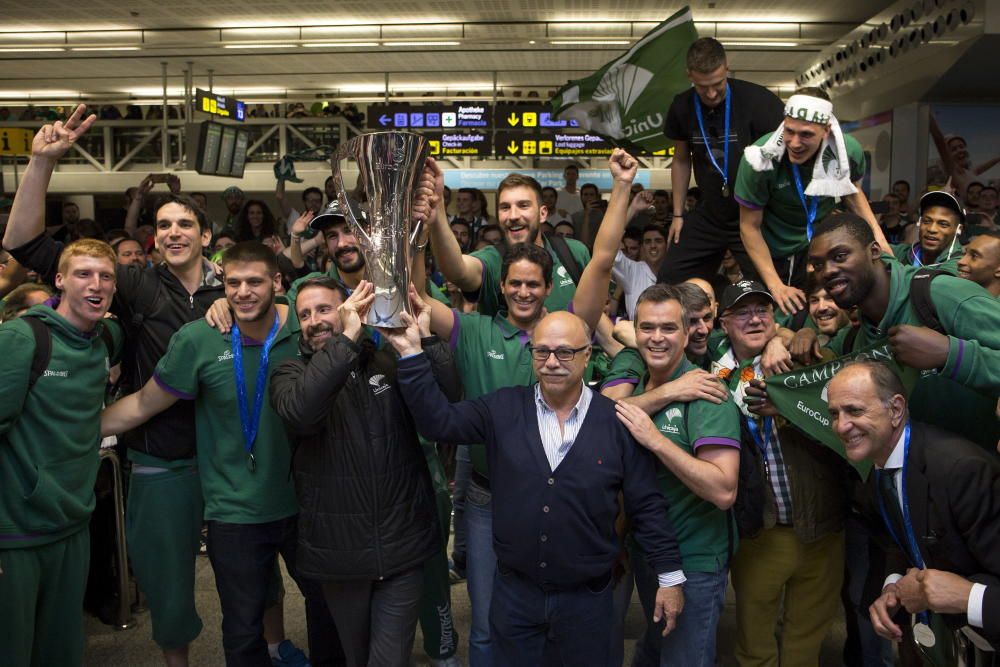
{"x":626,"y":101}
{"x":800,"y":396}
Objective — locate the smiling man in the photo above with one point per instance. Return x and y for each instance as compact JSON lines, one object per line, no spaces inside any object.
{"x":947,"y":489}
{"x":520,"y":212}
{"x":981,"y":262}
{"x":958,"y":354}
{"x":696,"y":444}
{"x":710,"y":125}
{"x":49,"y":434}
{"x":788,"y":181}
{"x":940,"y":224}
{"x":492,"y":352}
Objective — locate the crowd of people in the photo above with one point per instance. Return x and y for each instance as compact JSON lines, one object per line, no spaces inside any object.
{"x":754,"y":380}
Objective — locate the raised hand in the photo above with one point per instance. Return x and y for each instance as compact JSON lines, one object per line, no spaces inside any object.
{"x":422,"y":311}
{"x":642,"y":201}
{"x":302,"y":224}
{"x":354,"y":310}
{"x":52,"y":141}
{"x":623,"y":166}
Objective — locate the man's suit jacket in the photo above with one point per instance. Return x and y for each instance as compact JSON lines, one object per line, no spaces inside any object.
{"x":953,"y":492}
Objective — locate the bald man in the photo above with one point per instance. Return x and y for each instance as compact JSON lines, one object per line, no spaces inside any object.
{"x":931,"y":489}
{"x":558,"y":459}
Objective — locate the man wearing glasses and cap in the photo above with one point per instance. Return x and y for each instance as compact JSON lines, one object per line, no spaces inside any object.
{"x":940,"y":225}
{"x":792,"y":540}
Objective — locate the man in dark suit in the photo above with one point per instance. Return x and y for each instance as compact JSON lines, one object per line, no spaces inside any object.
{"x":558,"y":459}
{"x":938,"y":496}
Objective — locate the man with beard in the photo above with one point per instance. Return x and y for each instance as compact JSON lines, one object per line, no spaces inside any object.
{"x":959,"y":357}
{"x":827,"y":316}
{"x":165,"y":508}
{"x":492,"y":352}
{"x":710,"y":125}
{"x":981,"y":262}
{"x":234,"y":200}
{"x":697,"y":446}
{"x":520,"y":212}
{"x":242,"y":446}
{"x":368,"y":520}
{"x":940,"y":225}
{"x":789,"y":180}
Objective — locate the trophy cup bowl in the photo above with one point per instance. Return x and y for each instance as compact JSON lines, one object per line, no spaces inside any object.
{"x":389,"y":165}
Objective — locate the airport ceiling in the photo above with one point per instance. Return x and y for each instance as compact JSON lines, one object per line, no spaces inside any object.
{"x":259,"y":49}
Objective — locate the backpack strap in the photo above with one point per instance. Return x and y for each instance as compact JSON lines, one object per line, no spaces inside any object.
{"x":562,"y":251}
{"x":43,"y":348}
{"x":920,"y":298}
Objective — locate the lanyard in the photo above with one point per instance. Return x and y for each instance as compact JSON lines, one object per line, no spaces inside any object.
{"x":811,"y":206}
{"x":916,"y":254}
{"x":911,"y":548}
{"x":249,"y":421}
{"x":724,"y":171}
{"x":755,"y":432}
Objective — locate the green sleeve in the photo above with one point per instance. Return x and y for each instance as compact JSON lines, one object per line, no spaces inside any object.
{"x":714,"y":424}
{"x":856,"y":156}
{"x":178,"y":369}
{"x":971,"y":318}
{"x":118,"y":338}
{"x":753,"y":187}
{"x":627,"y":368}
{"x":579,"y":252}
{"x":17,"y":349}
{"x":488,"y":297}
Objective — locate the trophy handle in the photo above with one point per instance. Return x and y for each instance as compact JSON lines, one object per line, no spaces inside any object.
{"x":342,"y":152}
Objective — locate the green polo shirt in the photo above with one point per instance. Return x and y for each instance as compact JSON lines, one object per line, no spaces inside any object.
{"x":702,"y":529}
{"x":563,"y":289}
{"x":198,"y":366}
{"x":909,"y":255}
{"x":962,"y":396}
{"x":774,"y":191}
{"x":491,"y":353}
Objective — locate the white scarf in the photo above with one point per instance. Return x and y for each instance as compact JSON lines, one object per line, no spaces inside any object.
{"x":832,"y":179}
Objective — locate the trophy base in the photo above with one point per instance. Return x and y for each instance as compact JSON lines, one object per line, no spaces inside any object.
{"x":387,"y":308}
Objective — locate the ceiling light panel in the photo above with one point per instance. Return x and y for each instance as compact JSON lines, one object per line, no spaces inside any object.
{"x":340,"y":32}
{"x":104,"y":37}
{"x":589,"y":30}
{"x":249,"y":34}
{"x":422,"y":31}
{"x":339,"y":45}
{"x":26,"y":38}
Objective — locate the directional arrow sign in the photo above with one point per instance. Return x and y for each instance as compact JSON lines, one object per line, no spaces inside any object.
{"x":512,"y":147}
{"x":384,"y":119}
{"x":512,"y":119}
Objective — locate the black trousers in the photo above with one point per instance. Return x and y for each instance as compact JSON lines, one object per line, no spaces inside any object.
{"x":702,"y":245}
{"x":376,"y":619}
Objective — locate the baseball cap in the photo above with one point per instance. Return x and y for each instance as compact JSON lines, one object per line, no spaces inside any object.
{"x":942,"y":198}
{"x":733,"y":293}
{"x":327,"y":217}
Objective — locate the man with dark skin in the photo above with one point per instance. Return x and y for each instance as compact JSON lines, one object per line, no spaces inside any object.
{"x":981,"y":262}
{"x":940,"y":224}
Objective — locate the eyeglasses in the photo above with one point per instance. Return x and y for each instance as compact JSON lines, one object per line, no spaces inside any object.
{"x":562,"y":353}
{"x":744,"y":315}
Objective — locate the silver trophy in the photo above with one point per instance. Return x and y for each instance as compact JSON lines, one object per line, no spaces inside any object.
{"x":389,"y":165}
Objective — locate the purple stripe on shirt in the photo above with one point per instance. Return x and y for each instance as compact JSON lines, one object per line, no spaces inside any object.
{"x":455,"y":325}
{"x":746,"y":204}
{"x":958,"y":358}
{"x":170,"y":390}
{"x":723,"y":442}
{"x":615,"y":383}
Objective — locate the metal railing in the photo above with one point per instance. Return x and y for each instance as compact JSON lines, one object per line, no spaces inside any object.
{"x":116,"y":145}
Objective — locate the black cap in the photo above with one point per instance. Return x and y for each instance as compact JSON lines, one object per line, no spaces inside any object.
{"x":327,"y":217}
{"x":942,"y":198}
{"x":733,"y":293}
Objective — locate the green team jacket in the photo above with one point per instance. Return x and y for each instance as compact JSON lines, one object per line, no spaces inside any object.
{"x":49,"y":436}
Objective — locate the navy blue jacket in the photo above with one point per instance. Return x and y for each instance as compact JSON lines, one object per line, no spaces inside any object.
{"x":556,"y":528}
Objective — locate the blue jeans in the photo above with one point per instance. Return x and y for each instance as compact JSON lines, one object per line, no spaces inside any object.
{"x":524,"y":616}
{"x":692,"y":641}
{"x":463,"y":465}
{"x":481,"y":566}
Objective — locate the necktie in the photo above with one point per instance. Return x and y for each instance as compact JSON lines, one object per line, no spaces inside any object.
{"x":890,"y":499}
